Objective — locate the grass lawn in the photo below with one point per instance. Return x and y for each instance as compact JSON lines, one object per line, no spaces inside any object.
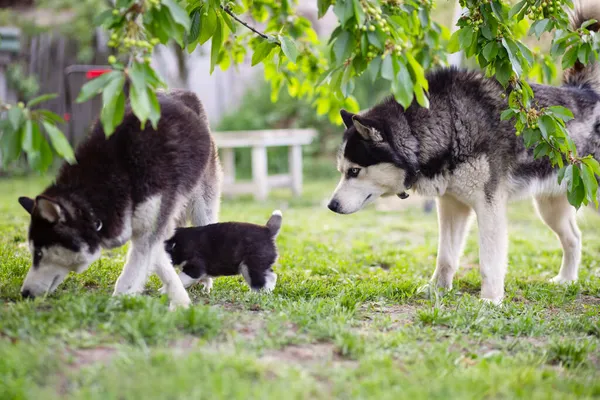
{"x":345,"y":321}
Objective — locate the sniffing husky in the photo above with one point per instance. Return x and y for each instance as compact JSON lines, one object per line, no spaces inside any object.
{"x":139,"y":184}
{"x":461,"y":152}
{"x":225,"y":249}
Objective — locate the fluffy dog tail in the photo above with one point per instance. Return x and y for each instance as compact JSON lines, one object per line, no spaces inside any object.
{"x":274,"y":223}
{"x":580,"y":74}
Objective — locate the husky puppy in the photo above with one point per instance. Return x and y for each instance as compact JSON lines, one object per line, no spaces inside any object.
{"x":138,"y":184}
{"x":226,"y":249}
{"x":460,"y":151}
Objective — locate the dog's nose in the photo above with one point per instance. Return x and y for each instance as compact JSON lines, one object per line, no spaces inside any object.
{"x":334,"y":205}
{"x":26,"y":293}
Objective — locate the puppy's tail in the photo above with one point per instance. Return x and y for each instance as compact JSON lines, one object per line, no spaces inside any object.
{"x":274,"y":223}
{"x":581,"y":74}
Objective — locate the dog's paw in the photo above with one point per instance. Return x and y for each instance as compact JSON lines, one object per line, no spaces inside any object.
{"x":430,"y":291}
{"x":560,"y":280}
{"x":497,"y":302}
{"x":181,"y":303}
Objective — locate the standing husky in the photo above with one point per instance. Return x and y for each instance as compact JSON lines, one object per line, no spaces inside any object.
{"x":138,"y":184}
{"x":461,"y":152}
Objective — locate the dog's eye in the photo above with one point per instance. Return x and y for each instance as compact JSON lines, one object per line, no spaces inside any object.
{"x":37,"y":254}
{"x":353,"y":172}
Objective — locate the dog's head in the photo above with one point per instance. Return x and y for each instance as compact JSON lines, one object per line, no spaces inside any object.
{"x":61,"y":239}
{"x":378,"y":157}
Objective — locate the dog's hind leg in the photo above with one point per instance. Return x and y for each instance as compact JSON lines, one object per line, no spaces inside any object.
{"x":454,"y":220}
{"x":560,"y":216}
{"x":493,"y":247}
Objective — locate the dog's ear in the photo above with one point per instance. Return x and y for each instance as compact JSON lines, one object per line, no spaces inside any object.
{"x":27,"y":203}
{"x":48,"y":209}
{"x":366,"y":129}
{"x":346,"y":117}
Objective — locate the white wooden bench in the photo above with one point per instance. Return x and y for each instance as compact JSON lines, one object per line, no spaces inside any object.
{"x":259,"y":141}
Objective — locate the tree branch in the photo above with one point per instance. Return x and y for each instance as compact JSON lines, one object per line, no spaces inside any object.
{"x":259,"y":33}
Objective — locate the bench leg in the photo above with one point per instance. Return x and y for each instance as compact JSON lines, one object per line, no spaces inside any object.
{"x":259,"y":172}
{"x":295,"y":161}
{"x":228,"y":166}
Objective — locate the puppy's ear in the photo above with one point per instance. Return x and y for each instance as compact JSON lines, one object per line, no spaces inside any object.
{"x":27,"y":203}
{"x":366,"y":129}
{"x":346,"y":117}
{"x":48,"y":209}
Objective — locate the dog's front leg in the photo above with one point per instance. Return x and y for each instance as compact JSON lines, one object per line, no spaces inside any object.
{"x":453,"y":219}
{"x":136,"y":269}
{"x":493,"y":248}
{"x":172,"y":284}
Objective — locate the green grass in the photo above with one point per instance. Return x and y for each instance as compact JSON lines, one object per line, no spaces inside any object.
{"x":346,"y":320}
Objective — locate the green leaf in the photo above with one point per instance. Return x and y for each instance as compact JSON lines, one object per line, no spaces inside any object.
{"x":195,"y":18}
{"x":402,"y":86}
{"x":540,"y":27}
{"x":178,"y":13}
{"x":40,"y":160}
{"x":323,"y":6}
{"x":570,"y":57}
{"x":344,"y":10}
{"x":140,"y":103}
{"x":561,"y":112}
{"x":10,"y":142}
{"x":593,"y":164}
{"x":577,"y":194}
{"x":503,"y":71}
{"x":15,"y":116}
{"x":584,"y":52}
{"x":418,"y":71}
{"x":111,"y":116}
{"x":497,"y":9}
{"x":546,"y":126}
{"x":588,"y":23}
{"x":59,"y":142}
{"x":374,"y":68}
{"x":507,"y":114}
{"x":517,"y":8}
{"x":154,"y":116}
{"x":421,"y":96}
{"x":50,"y":116}
{"x":375,"y":40}
{"x":262,"y":51}
{"x":513,"y":55}
{"x":454,"y":43}
{"x":95,"y":86}
{"x":40,"y":99}
{"x":590,"y":182}
{"x":541,"y":150}
{"x":31,"y":137}
{"x":387,"y":68}
{"x":465,"y":37}
{"x":342,"y":46}
{"x":215,"y":46}
{"x":358,"y":12}
{"x":208,"y":25}
{"x":490,"y":50}
{"x":289,"y":48}
{"x":102,"y":17}
{"x":227,"y":20}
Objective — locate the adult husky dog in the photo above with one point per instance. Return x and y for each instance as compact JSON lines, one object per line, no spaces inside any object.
{"x":461,"y":152}
{"x":139,"y":184}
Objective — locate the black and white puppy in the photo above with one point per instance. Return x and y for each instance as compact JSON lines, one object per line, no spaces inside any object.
{"x":226,"y":249}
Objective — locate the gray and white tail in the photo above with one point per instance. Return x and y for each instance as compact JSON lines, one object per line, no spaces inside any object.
{"x":579,"y":74}
{"x":274,"y":223}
